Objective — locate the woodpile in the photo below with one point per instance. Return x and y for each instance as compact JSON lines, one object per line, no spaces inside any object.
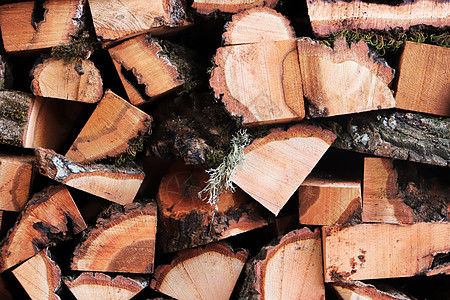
{"x":224,"y":149}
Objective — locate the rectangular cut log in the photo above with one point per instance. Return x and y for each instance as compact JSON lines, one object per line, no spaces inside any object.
{"x":424,"y":80}
{"x":371,"y":251}
{"x":35,"y":25}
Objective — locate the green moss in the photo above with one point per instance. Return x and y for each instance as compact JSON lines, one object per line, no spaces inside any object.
{"x":135,"y":145}
{"x":215,"y":159}
{"x":80,"y":48}
{"x":15,"y":111}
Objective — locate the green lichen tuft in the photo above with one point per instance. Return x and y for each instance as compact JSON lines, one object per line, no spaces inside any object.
{"x":215,"y":159}
{"x":135,"y":145}
{"x":80,"y":48}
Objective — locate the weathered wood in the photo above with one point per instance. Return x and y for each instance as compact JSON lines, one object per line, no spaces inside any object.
{"x":24,"y":29}
{"x":110,"y":130}
{"x":44,"y":222}
{"x":423,"y":80}
{"x":124,"y":241}
{"x":329,"y":17}
{"x":348,"y":290}
{"x":343,"y":79}
{"x":201,"y":273}
{"x":209,"y":6}
{"x":277,"y":164}
{"x":260,"y":82}
{"x":56,"y":78}
{"x":288,"y":268}
{"x":371,"y":251}
{"x":16,"y":174}
{"x":100,"y":286}
{"x":186,"y":221}
{"x":117,"y":184}
{"x":40,"y":276}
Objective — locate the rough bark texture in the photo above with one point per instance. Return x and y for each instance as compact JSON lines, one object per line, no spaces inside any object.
{"x":359,"y":290}
{"x":14,"y":107}
{"x":209,"y":6}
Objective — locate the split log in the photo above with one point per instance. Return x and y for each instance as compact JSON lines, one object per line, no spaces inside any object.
{"x":400,"y":192}
{"x":260,"y":82}
{"x":371,"y":251}
{"x":186,"y":221}
{"x":288,"y":268}
{"x":424,"y":80}
{"x":113,"y":128}
{"x":348,"y":290}
{"x":40,"y":276}
{"x":117,"y":20}
{"x":201,"y":273}
{"x":45,"y":221}
{"x":143,"y":59}
{"x":16,"y":174}
{"x":343,"y":79}
{"x":100,"y":286}
{"x":35,"y":25}
{"x":209,"y":6}
{"x":78,"y":81}
{"x":250,"y":26}
{"x":277,"y":164}
{"x":123,"y":241}
{"x":331,"y":17}
{"x":117,"y":184}
{"x":329,"y":201}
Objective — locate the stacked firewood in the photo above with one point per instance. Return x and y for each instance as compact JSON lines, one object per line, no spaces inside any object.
{"x":237,"y":149}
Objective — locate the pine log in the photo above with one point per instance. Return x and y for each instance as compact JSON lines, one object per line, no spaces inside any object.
{"x":100,"y":286}
{"x":201,"y":273}
{"x":329,"y":201}
{"x":226,"y":6}
{"x":110,"y":131}
{"x":117,"y":184}
{"x":260,"y":82}
{"x":250,"y":26}
{"x":16,"y":174}
{"x":117,"y":20}
{"x":40,"y":276}
{"x":124,"y":241}
{"x":50,"y":216}
{"x":343,"y":79}
{"x":35,"y":25}
{"x":56,"y":78}
{"x":186,"y":221}
{"x":143,"y":59}
{"x":348,"y":290}
{"x":277,"y":164}
{"x":288,"y":268}
{"x":328,"y":17}
{"x":423,"y":80}
{"x":400,"y":192}
{"x":371,"y":251}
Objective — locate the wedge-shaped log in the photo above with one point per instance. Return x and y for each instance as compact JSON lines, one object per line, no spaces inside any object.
{"x":16,"y":174}
{"x":78,"y":81}
{"x":277,"y":164}
{"x":40,"y":276}
{"x":402,"y":192}
{"x":260,"y":82}
{"x":329,"y":201}
{"x":186,"y":221}
{"x":288,"y":268}
{"x":110,"y":130}
{"x":100,"y":286}
{"x":117,"y":184}
{"x":423,"y":80}
{"x":23,"y":28}
{"x":209,"y":6}
{"x":44,"y":222}
{"x":123,"y":242}
{"x":201,"y":273}
{"x":329,"y":17}
{"x":371,"y":251}
{"x":250,"y":26}
{"x":348,"y":290}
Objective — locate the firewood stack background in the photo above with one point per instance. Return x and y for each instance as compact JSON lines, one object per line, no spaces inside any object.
{"x":154,"y":149}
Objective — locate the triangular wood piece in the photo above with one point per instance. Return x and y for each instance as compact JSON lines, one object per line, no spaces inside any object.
{"x":46,"y":220}
{"x":288,"y":268}
{"x":277,"y":164}
{"x":117,"y":184}
{"x":343,"y":80}
{"x":124,"y":242}
{"x":349,"y":290}
{"x":56,"y":78}
{"x":40,"y":276}
{"x":89,"y":286}
{"x":201,"y":273}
